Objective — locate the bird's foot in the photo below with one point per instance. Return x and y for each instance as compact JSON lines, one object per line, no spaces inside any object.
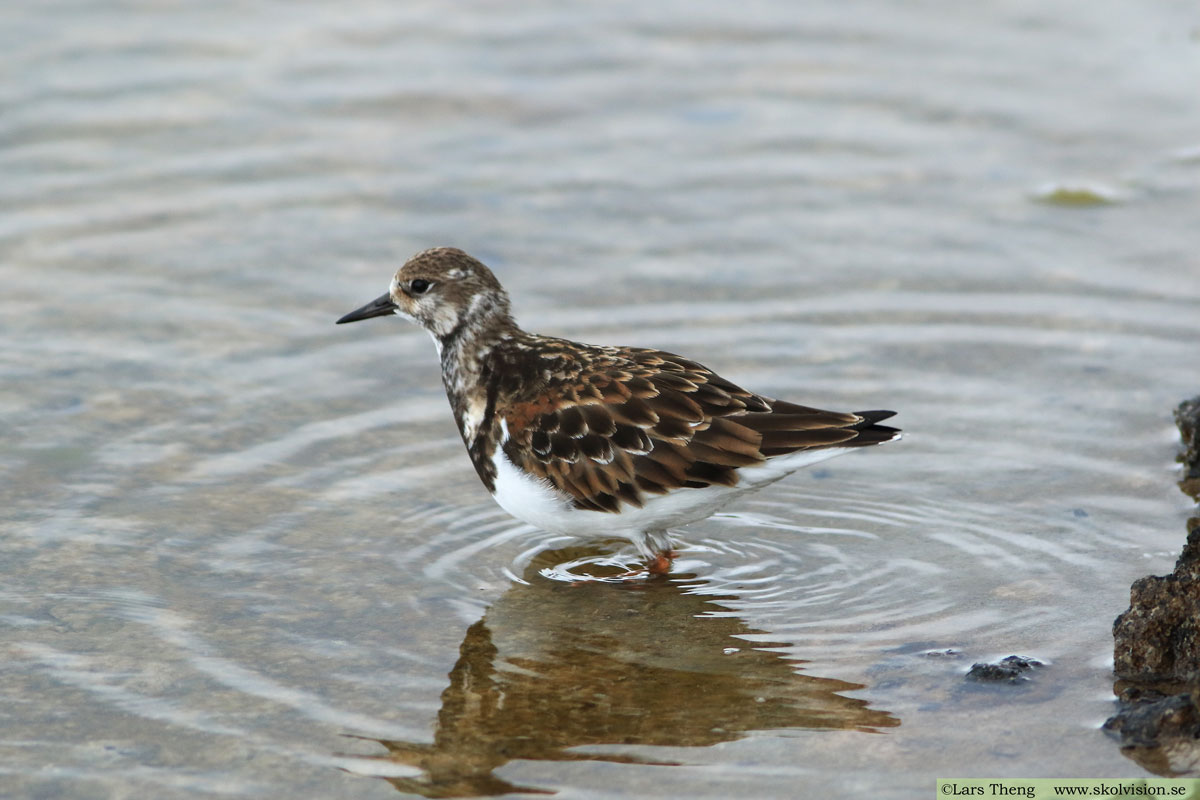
{"x":657,"y":566}
{"x":660,"y":563}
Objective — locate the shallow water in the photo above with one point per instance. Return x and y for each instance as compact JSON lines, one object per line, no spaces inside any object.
{"x":244,"y":553}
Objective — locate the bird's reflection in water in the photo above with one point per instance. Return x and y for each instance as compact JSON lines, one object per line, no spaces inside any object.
{"x":553,"y":666}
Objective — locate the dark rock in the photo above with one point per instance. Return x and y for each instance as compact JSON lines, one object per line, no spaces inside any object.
{"x":1157,"y":641}
{"x":1147,"y":722}
{"x":1158,"y":637}
{"x":1011,"y":669}
{"x":1187,"y":417}
{"x":1160,"y":732}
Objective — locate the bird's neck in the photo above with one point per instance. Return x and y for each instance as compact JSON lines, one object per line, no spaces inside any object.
{"x":465,"y":367}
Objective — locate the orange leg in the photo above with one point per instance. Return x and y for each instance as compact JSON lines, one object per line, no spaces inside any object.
{"x":660,"y":563}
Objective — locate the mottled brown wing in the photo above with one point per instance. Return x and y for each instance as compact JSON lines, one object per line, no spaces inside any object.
{"x":649,"y":422}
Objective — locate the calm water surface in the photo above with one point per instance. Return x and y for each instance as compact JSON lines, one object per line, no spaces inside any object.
{"x":244,"y":554}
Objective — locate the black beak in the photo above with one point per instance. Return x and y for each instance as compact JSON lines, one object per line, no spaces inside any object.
{"x":379,"y":307}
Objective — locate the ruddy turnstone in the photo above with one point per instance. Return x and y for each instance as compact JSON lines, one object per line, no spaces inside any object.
{"x":589,"y":440}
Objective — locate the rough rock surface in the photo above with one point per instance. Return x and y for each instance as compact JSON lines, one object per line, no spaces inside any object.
{"x":1158,"y":636}
{"x":1159,"y":731}
{"x":1011,"y":669}
{"x":1148,"y":717}
{"x":1156,"y":644}
{"x":1187,"y":417}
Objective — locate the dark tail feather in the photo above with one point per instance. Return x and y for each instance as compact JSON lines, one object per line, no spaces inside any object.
{"x":871,"y":433}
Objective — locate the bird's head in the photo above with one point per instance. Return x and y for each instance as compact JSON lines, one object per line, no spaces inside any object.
{"x":444,"y":290}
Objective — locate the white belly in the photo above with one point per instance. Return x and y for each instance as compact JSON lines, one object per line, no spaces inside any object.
{"x":538,"y":503}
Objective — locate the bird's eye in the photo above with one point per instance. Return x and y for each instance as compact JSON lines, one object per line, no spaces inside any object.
{"x":419,"y":286}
